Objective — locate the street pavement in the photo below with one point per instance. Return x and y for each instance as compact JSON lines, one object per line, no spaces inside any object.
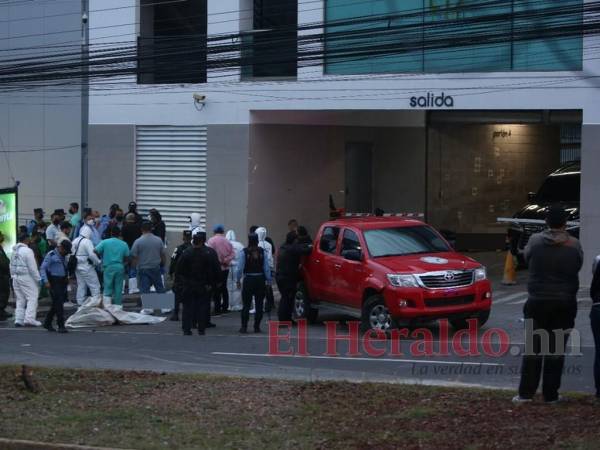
{"x":222,"y":350}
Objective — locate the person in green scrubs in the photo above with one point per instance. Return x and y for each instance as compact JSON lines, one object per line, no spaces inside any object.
{"x":115,"y":255}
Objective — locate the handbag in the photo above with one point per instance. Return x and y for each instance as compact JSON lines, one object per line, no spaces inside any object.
{"x":72,"y":263}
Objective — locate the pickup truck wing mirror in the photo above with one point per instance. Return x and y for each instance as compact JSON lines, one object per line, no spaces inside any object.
{"x":352,"y":254}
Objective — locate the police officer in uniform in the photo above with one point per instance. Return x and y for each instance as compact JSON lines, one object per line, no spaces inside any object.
{"x":199,"y":270}
{"x":254,"y":267}
{"x":288,"y":272}
{"x":177,"y":283}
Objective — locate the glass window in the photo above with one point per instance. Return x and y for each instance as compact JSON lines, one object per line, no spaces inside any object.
{"x":350,"y":241}
{"x":383,"y":36}
{"x":404,"y":241}
{"x":329,"y":239}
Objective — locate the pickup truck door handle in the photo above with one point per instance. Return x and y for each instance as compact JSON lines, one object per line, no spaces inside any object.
{"x":317,"y":261}
{"x":337,"y":266}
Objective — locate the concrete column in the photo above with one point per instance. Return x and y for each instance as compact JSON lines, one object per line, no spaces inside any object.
{"x":227,"y":183}
{"x":590,"y":206}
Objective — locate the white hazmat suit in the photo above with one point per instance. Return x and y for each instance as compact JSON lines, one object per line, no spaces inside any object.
{"x":195,"y":221}
{"x":266,"y":246}
{"x":26,"y":284}
{"x":235,"y":294}
{"x":86,"y":275}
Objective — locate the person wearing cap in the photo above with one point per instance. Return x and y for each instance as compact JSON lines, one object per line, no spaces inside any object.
{"x":132,"y":209}
{"x":53,"y":229}
{"x":4,"y":281}
{"x":226,"y":254}
{"x":254,"y":268}
{"x":148,"y":253}
{"x":38,"y":217}
{"x":177,"y":281}
{"x":26,"y":281}
{"x":554,"y":258}
{"x":199,"y":269}
{"x":115,"y":255}
{"x":55,"y":278}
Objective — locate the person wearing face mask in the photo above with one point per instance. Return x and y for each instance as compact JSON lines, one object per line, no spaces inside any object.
{"x":38,"y":215}
{"x":4,"y":281}
{"x":53,"y":229}
{"x":90,"y":224}
{"x":87,"y":278}
{"x":55,"y":277}
{"x":26,"y":281}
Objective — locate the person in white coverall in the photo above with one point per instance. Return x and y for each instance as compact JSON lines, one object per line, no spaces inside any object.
{"x":268,"y":248}
{"x":195,"y":221}
{"x":87,"y":260}
{"x":235,"y":295}
{"x":26,"y":283}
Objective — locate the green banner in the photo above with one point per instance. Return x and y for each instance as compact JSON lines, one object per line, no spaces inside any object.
{"x":8,"y":218}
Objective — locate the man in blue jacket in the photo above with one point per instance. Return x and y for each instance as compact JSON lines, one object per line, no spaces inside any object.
{"x":55,"y":277}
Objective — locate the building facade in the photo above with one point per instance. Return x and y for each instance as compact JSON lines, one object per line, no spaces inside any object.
{"x":456,"y":109}
{"x":40,"y":121}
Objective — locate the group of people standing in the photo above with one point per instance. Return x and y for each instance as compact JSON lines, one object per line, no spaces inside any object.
{"x":201,"y":269}
{"x":97,"y":251}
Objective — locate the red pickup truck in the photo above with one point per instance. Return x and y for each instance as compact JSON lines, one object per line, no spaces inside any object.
{"x":390,"y":270}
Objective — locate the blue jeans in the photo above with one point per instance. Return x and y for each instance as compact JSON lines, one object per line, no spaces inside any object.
{"x":148,"y":278}
{"x":595,"y":322}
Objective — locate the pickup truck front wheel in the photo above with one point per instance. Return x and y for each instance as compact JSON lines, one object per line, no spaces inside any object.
{"x":302,"y":308}
{"x":375,"y":315}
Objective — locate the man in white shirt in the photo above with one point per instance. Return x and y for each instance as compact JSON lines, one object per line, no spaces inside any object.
{"x":87,"y":278}
{"x":26,"y":283}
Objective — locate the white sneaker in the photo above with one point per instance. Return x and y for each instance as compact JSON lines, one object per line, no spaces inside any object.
{"x":518,"y":399}
{"x":69,"y":305}
{"x":32,"y":323}
{"x":253,"y":311}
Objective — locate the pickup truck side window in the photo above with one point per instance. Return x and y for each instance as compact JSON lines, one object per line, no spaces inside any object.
{"x":329,"y":239}
{"x":350,"y":241}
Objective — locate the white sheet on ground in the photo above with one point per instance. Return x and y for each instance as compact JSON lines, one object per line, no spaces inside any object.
{"x":97,"y":313}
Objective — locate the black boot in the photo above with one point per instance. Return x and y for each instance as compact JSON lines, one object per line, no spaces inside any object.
{"x":174,"y":316}
{"x":48,"y":326}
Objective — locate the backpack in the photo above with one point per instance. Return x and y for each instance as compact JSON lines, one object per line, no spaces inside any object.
{"x":72,"y":263}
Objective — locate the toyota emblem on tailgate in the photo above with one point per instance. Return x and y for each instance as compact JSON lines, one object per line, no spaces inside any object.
{"x":448,"y":276}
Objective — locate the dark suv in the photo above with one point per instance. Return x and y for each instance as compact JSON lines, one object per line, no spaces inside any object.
{"x":561,"y":186}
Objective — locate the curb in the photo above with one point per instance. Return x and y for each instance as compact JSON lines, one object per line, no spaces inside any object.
{"x":16,"y":444}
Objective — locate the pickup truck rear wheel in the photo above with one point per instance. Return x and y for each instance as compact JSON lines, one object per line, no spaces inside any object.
{"x":461,"y":324}
{"x":302,"y":308}
{"x":375,"y":315}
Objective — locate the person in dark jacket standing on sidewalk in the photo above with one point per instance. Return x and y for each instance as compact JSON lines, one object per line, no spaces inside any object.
{"x":595,"y":322}
{"x":4,"y":281}
{"x":200,"y":271}
{"x":288,"y":267}
{"x":55,"y":278}
{"x":555,"y":259}
{"x":177,"y":281}
{"x":254,"y":267}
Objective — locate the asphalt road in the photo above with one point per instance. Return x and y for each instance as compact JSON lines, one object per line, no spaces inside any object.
{"x":163,"y":348}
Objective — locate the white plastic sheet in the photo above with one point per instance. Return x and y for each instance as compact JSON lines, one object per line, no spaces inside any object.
{"x":100,"y":312}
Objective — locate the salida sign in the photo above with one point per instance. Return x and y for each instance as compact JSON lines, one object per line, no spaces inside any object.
{"x":432,"y":101}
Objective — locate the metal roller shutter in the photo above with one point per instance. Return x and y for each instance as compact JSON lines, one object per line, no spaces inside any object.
{"x":171,"y":172}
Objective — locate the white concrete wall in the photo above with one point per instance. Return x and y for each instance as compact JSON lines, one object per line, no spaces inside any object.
{"x":35,"y":122}
{"x":229,"y":102}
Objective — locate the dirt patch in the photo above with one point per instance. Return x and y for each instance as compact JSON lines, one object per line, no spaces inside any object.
{"x":157,"y":411}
